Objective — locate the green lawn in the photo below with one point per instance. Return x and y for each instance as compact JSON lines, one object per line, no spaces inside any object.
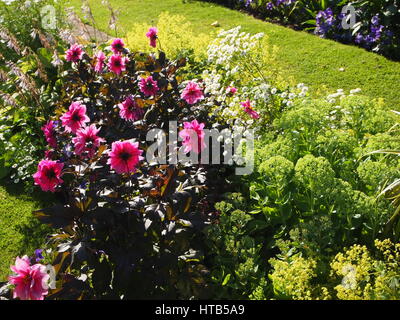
{"x":303,"y":56}
{"x":20,"y":232}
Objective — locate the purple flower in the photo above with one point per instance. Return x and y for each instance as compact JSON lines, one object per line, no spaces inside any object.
{"x":377,"y":31}
{"x":359,"y":38}
{"x":324,"y":22}
{"x":38,"y":255}
{"x":369,"y":40}
{"x":270,"y":5}
{"x":375,"y":20}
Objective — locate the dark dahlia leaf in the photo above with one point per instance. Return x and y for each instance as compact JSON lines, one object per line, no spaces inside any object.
{"x":57,"y":216}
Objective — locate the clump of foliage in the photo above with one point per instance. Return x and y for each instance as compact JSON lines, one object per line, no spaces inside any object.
{"x":30,"y":72}
{"x":120,"y":229}
{"x":30,"y":29}
{"x":177,"y":34}
{"x":357,"y":273}
{"x":234,"y":255}
{"x":314,"y":191}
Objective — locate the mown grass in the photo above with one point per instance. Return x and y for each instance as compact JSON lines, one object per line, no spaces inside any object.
{"x":304,"y":57}
{"x":20,"y":232}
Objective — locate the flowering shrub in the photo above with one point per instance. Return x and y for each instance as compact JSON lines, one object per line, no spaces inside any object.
{"x":314,"y":191}
{"x":357,"y":273}
{"x":126,"y":223}
{"x":377,"y":28}
{"x":242,"y":83}
{"x":178,"y":38}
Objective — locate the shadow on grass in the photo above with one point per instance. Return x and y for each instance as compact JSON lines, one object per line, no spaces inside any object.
{"x":18,"y":190}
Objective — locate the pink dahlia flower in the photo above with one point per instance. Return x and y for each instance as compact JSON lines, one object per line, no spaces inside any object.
{"x":75,"y":117}
{"x":231,"y":90}
{"x":100,"y":58}
{"x":30,"y":281}
{"x":87,"y":141}
{"x":117,"y":46}
{"x":193,"y":136}
{"x":129,"y":110}
{"x":124,"y":156}
{"x":48,"y":175}
{"x":192,"y":93}
{"x":117,"y":63}
{"x":148,"y":86}
{"x":152,"y":35}
{"x":49,"y":133}
{"x":249,"y":110}
{"x":74,"y":53}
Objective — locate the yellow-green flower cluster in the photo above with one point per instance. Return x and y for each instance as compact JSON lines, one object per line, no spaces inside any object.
{"x":355,"y":274}
{"x":293,"y":277}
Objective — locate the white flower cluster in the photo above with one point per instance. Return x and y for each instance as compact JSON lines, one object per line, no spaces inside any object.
{"x":340,"y":93}
{"x":229,"y":45}
{"x":212,"y":81}
{"x":303,"y":88}
{"x":238,"y":136}
{"x":231,"y":53}
{"x":8,"y":2}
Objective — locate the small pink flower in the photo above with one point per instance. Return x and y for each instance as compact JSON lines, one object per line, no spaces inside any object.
{"x":152,"y":35}
{"x":117,"y":63}
{"x":117,"y":46}
{"x":75,"y":117}
{"x":48,"y":175}
{"x":87,"y":141}
{"x":100,"y":58}
{"x":231,"y":90}
{"x":249,"y":110}
{"x":192,"y":93}
{"x":74,"y":53}
{"x":129,"y":110}
{"x":30,"y":281}
{"x":124,"y":156}
{"x":49,"y":133}
{"x":148,"y":86}
{"x":188,"y":134}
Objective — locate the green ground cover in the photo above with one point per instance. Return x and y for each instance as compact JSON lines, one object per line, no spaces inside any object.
{"x":20,"y":232}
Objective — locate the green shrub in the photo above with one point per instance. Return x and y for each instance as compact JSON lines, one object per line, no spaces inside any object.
{"x":277,"y":171}
{"x":177,"y":37}
{"x":31,"y":73}
{"x":234,"y":255}
{"x":315,"y":175}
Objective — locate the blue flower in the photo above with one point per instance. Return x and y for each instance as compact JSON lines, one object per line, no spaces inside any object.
{"x":359,"y":38}
{"x":375,"y":20}
{"x":248,"y":2}
{"x":38,"y":255}
{"x":270,"y":5}
{"x":324,"y":22}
